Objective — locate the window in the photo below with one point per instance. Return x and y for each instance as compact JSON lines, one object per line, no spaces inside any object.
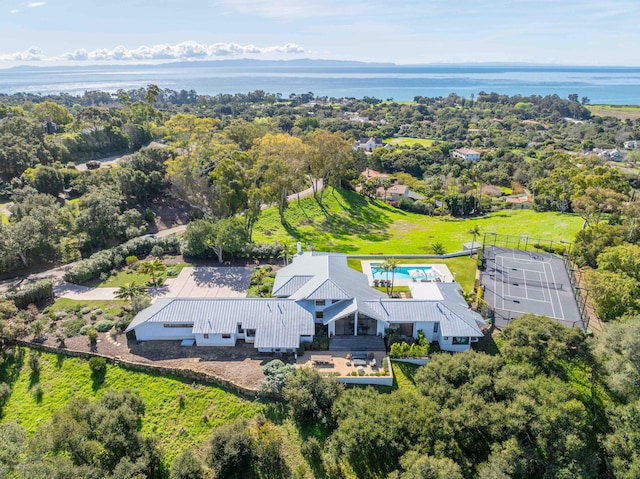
{"x":226,"y":336}
{"x":460,"y":340}
{"x":435,"y":327}
{"x":319,"y":315}
{"x":251,"y":333}
{"x":320,"y":302}
{"x":240,"y":330}
{"x":446,"y":338}
{"x":206,"y":336}
{"x":182,"y":325}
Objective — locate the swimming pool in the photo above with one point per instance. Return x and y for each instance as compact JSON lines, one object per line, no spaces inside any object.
{"x":405,"y":272}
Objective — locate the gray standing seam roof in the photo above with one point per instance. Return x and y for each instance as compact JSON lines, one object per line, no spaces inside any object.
{"x":279,"y":323}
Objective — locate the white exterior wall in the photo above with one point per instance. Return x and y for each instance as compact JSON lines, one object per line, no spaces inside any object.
{"x":157,"y":331}
{"x":215,"y":340}
{"x":332,"y":328}
{"x":427,"y":327}
{"x":447,"y":345}
{"x":381,"y":327}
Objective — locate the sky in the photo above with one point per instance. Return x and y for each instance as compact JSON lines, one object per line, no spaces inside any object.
{"x":77,"y":32}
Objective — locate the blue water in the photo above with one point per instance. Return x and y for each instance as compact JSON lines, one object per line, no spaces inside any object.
{"x":402,"y":272}
{"x":615,"y":85}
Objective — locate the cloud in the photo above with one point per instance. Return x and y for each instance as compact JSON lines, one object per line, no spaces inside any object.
{"x":181,"y":51}
{"x":36,"y":4}
{"x":15,"y":10}
{"x":32,"y":54}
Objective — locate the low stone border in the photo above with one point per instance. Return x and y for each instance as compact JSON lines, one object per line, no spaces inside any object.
{"x":416,"y":361}
{"x":147,"y":368}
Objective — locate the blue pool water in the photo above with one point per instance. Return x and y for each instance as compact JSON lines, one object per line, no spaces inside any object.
{"x":402,"y":272}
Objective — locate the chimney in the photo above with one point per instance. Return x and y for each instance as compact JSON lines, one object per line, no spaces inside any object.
{"x":299,"y":247}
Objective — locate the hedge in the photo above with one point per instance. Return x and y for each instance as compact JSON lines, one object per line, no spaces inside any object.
{"x":106,"y":260}
{"x":32,"y":293}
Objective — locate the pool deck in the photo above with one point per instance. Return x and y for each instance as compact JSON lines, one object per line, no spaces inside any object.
{"x":441,"y":269}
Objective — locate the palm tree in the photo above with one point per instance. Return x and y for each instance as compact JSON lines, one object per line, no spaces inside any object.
{"x":475,"y":231}
{"x":128,"y":291}
{"x":386,"y":267}
{"x":393,"y":264}
{"x":152,"y":267}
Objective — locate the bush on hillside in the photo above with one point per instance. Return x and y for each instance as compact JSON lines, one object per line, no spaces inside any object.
{"x":32,"y":293}
{"x":103,"y":325}
{"x":106,"y":260}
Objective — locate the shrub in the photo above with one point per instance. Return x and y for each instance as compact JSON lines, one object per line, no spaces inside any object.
{"x":157,"y":251}
{"x":123,"y":322}
{"x":85,"y":310}
{"x":34,"y":362}
{"x":149,"y":215}
{"x":98,"y":365}
{"x":8,"y":309}
{"x":140,"y":302}
{"x":104,"y":261}
{"x":97,"y":312}
{"x":92,"y":334}
{"x":131,"y":260}
{"x":231,"y":449}
{"x":103,"y":325}
{"x":276,"y":373}
{"x":5,"y":392}
{"x":36,"y":292}
{"x":72,"y":327}
{"x":172,"y":272}
{"x":263,"y":250}
{"x":37,"y":392}
{"x":186,"y":466}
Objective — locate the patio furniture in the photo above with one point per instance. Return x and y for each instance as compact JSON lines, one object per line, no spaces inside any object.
{"x":359,"y":362}
{"x":321,"y":360}
{"x":373,"y":363}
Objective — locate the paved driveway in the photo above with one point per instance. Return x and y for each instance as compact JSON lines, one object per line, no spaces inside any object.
{"x":207,"y":282}
{"x":199,"y":282}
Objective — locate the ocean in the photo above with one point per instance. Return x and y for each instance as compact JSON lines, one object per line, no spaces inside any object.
{"x":613,"y":85}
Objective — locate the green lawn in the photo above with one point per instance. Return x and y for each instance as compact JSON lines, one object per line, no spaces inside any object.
{"x":109,"y":307}
{"x":403,"y":375}
{"x":406,"y":141}
{"x":351,"y":223}
{"x":128,"y":275}
{"x":177,"y":427}
{"x":4,"y":219}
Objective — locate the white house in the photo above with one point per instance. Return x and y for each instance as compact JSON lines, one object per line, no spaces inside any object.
{"x":630,"y":145}
{"x":466,"y":154}
{"x":317,"y":291}
{"x":370,"y":144}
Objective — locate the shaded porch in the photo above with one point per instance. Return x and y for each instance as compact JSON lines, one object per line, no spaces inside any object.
{"x":356,"y":343}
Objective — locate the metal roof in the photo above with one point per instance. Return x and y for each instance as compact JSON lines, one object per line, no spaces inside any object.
{"x":452,"y":323}
{"x":289,"y":285}
{"x":279,"y":323}
{"x":344,"y":282}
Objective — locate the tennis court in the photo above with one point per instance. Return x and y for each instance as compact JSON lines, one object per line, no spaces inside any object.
{"x":518,"y":282}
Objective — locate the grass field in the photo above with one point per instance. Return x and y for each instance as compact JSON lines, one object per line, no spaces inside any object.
{"x":622,"y":112}
{"x":351,"y":223}
{"x":177,"y":427}
{"x":406,"y":141}
{"x":3,"y":219}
